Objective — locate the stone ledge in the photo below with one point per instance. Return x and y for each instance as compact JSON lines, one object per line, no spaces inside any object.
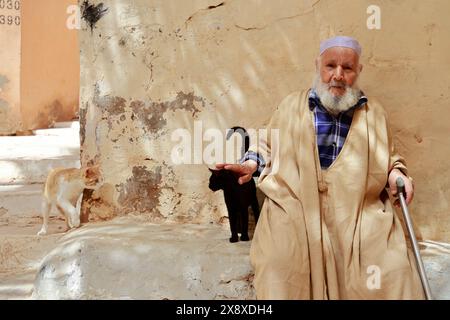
{"x":131,"y":260}
{"x":146,"y":261}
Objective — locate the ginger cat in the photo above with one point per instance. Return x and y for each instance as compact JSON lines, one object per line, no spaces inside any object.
{"x":64,"y":189}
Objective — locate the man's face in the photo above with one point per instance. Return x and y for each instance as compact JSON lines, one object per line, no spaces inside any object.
{"x":339,"y":66}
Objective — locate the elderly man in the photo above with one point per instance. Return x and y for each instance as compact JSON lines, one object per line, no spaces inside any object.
{"x":327,"y":229}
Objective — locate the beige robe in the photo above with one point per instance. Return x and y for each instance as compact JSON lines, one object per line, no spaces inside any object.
{"x":330,"y":234}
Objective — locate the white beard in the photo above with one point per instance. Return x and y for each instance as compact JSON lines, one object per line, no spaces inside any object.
{"x":336,"y":104}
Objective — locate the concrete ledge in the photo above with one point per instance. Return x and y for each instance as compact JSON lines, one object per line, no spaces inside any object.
{"x":145,"y":261}
{"x":128,"y":260}
{"x":28,"y":159}
{"x":436,"y":259}
{"x":21,"y":200}
{"x":29,"y":171}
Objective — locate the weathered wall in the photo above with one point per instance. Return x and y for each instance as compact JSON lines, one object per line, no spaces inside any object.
{"x":9,"y":67}
{"x":150,"y":67}
{"x":50,"y":63}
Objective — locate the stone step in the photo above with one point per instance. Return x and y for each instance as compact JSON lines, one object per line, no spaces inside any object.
{"x":20,"y":200}
{"x":68,"y":124}
{"x":17,"y":287}
{"x":129,"y":260}
{"x":28,"y":159}
{"x":38,"y":147}
{"x":61,"y":128}
{"x":31,"y":171}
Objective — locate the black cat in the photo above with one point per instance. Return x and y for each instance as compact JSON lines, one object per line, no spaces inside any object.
{"x":237,"y":197}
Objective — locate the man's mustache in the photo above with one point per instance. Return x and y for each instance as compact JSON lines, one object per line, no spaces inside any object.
{"x":338,"y":84}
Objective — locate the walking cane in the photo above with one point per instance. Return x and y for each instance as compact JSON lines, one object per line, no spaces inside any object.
{"x":412,"y":236}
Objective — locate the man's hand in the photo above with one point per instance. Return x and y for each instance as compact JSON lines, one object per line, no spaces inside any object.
{"x":409,"y":188}
{"x":244,"y":171}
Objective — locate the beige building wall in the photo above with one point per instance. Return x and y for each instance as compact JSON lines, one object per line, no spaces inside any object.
{"x":150,"y":67}
{"x":50,"y":63}
{"x":10,"y":24}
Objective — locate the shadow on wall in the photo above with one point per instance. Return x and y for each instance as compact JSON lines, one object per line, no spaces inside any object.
{"x":54,"y":112}
{"x":49,"y":66}
{"x":151,"y":69}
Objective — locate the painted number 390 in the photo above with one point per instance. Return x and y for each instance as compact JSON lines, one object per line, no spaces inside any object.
{"x":10,"y":4}
{"x":9,"y":20}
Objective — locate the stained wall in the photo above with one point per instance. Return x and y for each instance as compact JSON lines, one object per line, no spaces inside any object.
{"x":151,"y":67}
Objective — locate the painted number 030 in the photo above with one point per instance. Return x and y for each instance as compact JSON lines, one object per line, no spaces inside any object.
{"x":9,"y":4}
{"x":9,"y":20}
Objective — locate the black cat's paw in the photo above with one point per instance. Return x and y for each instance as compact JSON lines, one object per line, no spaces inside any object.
{"x":245,"y":237}
{"x":234,"y":239}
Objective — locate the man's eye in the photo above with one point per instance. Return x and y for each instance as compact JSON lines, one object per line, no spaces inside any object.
{"x":330,"y":65}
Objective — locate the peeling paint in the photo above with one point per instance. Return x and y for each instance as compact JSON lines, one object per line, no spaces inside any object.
{"x":96,"y":208}
{"x":82,"y":115}
{"x":140,"y":193}
{"x":149,"y":113}
{"x":152,"y":114}
{"x":92,"y":13}
{"x":109,"y":104}
{"x":86,"y":204}
{"x":144,"y":191}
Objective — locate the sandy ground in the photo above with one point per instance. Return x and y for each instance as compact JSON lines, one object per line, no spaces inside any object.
{"x":21,"y":252}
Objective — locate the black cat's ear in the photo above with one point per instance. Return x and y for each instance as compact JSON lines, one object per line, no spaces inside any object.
{"x":211,"y":170}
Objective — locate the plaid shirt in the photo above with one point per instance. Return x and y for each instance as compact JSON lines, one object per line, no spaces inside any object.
{"x":331,"y":132}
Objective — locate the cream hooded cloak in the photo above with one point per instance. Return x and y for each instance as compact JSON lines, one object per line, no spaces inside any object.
{"x":330,"y":234}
